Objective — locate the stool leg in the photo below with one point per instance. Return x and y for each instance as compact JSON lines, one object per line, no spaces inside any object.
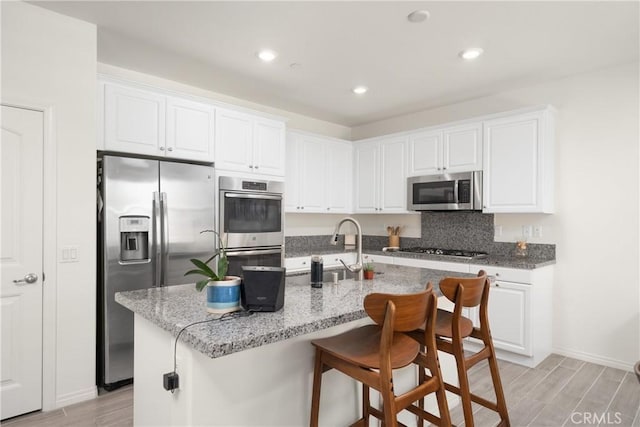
{"x":465,"y":393}
{"x":317,"y":382}
{"x":421,"y":379}
{"x":497,"y":387}
{"x":365,"y":405}
{"x":441,"y":396}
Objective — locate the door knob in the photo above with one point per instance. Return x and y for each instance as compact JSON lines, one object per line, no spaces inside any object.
{"x":29,"y":278}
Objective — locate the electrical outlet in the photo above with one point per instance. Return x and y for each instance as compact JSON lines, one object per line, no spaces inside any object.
{"x":497,"y":231}
{"x":537,"y":231}
{"x":526,"y":231}
{"x":69,"y":254}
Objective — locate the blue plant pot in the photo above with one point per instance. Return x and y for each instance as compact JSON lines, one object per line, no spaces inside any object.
{"x":224,"y":296}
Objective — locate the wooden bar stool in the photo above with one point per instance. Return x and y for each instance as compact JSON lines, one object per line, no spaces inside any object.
{"x":452,"y":328}
{"x":370,"y":353}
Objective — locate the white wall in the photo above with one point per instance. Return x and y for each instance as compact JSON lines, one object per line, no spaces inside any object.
{"x":49,"y":60}
{"x":294,"y":121}
{"x":595,"y":226}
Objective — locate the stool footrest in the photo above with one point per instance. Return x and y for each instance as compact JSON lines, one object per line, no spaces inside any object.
{"x":474,"y":398}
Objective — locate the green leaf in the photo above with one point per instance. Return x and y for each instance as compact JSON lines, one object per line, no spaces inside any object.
{"x":200,"y":285}
{"x":203,"y":273}
{"x":223,"y":266}
{"x":204,"y":267}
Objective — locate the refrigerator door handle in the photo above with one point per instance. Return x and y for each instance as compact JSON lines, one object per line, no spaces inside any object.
{"x":164,"y":247}
{"x":157,"y":267}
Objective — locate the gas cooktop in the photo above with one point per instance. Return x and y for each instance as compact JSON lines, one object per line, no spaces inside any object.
{"x":446,"y":252}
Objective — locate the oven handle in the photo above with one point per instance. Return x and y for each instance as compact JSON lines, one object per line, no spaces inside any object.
{"x":255,"y":252}
{"x":252,"y":196}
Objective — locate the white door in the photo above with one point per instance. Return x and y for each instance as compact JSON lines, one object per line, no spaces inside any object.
{"x":134,"y":121}
{"x":425,"y":153}
{"x":190,"y":130}
{"x":393,"y":184}
{"x":268,"y":148}
{"x":338,"y":190}
{"x":462,"y":148}
{"x":312,"y":175}
{"x":21,"y":152}
{"x":234,"y":141}
{"x":366,"y":176}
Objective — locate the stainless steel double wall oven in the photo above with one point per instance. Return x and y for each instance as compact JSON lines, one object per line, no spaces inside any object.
{"x":251,"y":222}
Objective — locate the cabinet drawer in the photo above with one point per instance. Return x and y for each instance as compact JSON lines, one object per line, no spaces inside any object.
{"x":297,"y":263}
{"x":501,"y":273}
{"x":382,"y":259}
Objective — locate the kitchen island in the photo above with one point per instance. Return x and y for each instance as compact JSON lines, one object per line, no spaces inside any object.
{"x":254,"y":370}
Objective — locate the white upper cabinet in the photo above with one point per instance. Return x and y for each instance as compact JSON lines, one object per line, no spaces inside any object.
{"x":134,"y":120}
{"x":462,"y":148}
{"x":381,"y":176}
{"x":318,"y":175}
{"x":338,"y":191}
{"x":145,"y":122}
{"x":190,"y":129}
{"x":425,"y":153}
{"x":249,"y":144}
{"x":518,"y":163}
{"x":448,"y":150}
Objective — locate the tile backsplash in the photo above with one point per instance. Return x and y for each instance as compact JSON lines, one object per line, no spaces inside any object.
{"x":448,"y":230}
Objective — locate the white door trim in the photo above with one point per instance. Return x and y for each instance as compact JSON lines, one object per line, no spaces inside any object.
{"x":49,"y":254}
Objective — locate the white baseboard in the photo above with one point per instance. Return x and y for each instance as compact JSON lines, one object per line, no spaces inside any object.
{"x":593,"y":358}
{"x":76,"y":397}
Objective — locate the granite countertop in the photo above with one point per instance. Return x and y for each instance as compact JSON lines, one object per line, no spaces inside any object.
{"x":527,"y":263}
{"x":306,"y":309}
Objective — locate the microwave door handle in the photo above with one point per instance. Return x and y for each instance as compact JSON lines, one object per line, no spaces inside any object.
{"x":156,"y":221}
{"x":257,"y":252}
{"x":252,"y":196}
{"x":456,"y":191}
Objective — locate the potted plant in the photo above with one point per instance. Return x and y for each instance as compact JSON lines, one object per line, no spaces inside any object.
{"x":223,"y":292}
{"x":368,"y":271}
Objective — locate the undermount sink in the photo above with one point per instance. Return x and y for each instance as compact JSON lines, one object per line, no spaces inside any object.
{"x":327,"y":276}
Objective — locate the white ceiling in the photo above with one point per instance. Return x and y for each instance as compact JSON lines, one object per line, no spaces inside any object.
{"x":408,"y":67}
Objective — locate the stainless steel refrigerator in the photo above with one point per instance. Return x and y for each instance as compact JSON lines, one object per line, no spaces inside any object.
{"x":151,"y":214}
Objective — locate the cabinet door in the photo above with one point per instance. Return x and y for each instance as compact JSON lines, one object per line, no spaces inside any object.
{"x":268,"y":147}
{"x":509,"y":316}
{"x":190,"y":130}
{"x":312,"y":175}
{"x":513,"y":165}
{"x":292,"y":175}
{"x":425,"y":153}
{"x":393,"y":184}
{"x":462,"y":148}
{"x":134,"y":121}
{"x":338,"y":191}
{"x":366,"y":177}
{"x":234,"y":140}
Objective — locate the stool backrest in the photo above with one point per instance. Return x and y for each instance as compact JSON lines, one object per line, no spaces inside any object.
{"x":471,"y":289}
{"x":410,"y":309}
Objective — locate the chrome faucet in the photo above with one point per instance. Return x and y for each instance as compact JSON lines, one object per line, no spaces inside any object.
{"x":357,"y":267}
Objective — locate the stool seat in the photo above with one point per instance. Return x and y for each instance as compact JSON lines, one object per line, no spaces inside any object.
{"x":361,"y":347}
{"x":444,"y":322}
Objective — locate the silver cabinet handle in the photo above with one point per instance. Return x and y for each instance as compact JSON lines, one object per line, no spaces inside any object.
{"x":255,"y":167}
{"x":161,"y":148}
{"x":29,"y":278}
{"x":250,"y":166}
{"x":170,"y":148}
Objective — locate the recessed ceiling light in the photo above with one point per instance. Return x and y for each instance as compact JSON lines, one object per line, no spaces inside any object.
{"x":418,"y":16}
{"x":359,"y":90}
{"x":267,"y":55}
{"x":472,"y":53}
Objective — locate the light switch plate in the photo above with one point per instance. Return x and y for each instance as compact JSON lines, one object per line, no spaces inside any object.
{"x":69,"y":253}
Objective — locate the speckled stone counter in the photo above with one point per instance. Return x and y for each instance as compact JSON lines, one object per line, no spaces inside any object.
{"x":306,"y":309}
{"x":527,"y":263}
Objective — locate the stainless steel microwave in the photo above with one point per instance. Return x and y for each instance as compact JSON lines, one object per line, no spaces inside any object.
{"x":446,"y":192}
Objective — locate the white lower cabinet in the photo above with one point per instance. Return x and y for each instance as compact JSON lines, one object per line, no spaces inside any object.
{"x":435,"y":265}
{"x":509,"y":316}
{"x":520,"y":313}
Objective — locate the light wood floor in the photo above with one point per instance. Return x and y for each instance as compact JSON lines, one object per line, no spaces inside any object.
{"x":559,"y":392}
